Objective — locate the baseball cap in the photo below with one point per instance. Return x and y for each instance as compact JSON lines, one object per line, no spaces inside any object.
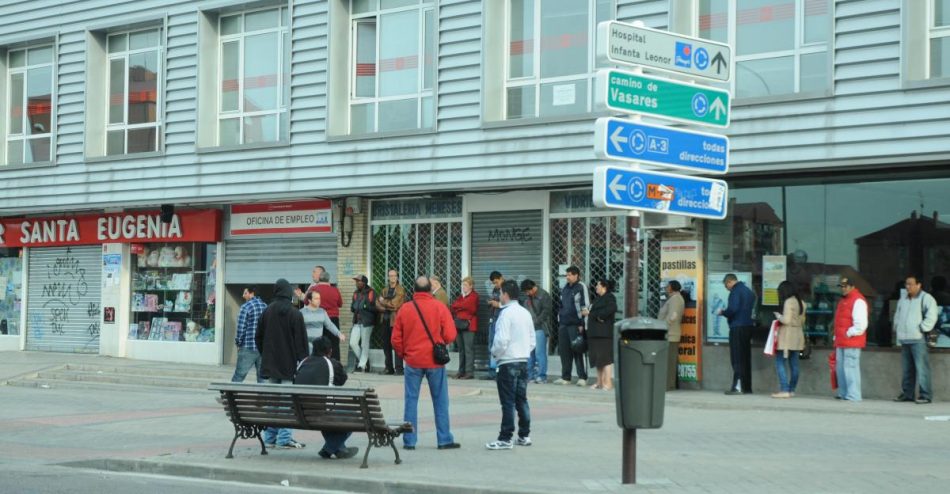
{"x":362,"y":278}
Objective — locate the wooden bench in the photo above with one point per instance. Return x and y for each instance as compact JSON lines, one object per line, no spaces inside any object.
{"x":253,"y":407}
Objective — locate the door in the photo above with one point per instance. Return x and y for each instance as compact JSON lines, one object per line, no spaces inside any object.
{"x":64,"y":297}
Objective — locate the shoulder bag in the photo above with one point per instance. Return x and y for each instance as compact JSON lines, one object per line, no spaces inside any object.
{"x":440,"y":352}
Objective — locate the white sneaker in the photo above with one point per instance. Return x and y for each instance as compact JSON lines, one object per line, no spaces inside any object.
{"x":523,"y":441}
{"x":499,"y":445}
{"x":562,"y":381}
{"x":582,"y":383}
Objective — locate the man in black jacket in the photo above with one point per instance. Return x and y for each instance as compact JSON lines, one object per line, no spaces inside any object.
{"x":321,"y":370}
{"x":282,"y":341}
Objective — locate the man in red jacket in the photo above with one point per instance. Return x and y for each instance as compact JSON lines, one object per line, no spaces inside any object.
{"x":424,"y":314}
{"x":851,"y":324}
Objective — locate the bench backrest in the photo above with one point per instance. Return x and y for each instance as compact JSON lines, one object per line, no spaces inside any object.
{"x":302,"y":407}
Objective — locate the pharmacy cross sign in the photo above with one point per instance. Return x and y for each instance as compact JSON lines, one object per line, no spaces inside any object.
{"x":623,"y":43}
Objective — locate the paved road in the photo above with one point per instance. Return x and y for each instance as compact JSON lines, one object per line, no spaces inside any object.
{"x":709,"y":442}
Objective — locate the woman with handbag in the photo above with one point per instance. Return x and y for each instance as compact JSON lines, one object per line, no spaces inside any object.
{"x":600,"y":333}
{"x":791,"y":338}
{"x":464,"y":310}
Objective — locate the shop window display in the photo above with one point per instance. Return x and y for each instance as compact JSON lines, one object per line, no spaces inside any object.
{"x":875,"y":233}
{"x":11,"y":291}
{"x":173,"y":292}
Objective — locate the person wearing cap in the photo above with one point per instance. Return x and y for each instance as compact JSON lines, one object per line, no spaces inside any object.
{"x":851,"y":324}
{"x":363,"y":308}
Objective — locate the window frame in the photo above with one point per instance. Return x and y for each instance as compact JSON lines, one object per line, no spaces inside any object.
{"x":934,"y":32}
{"x":422,"y":8}
{"x":535,"y":80}
{"x":158,"y":124}
{"x":283,"y":29}
{"x":23,"y":137}
{"x":800,"y":48}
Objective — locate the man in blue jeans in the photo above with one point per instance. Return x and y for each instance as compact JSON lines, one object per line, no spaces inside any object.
{"x":541,"y":307}
{"x":513,"y":343}
{"x":248,"y":356}
{"x":421,"y":323}
{"x":915,"y":316}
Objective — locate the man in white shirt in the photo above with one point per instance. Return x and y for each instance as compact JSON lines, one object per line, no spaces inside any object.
{"x":514,"y":340}
{"x":851,"y":324}
{"x":916,"y":316}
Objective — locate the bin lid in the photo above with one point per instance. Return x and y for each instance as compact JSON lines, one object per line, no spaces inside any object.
{"x":640,"y":324}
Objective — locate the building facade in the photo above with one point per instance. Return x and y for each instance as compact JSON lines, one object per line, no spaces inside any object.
{"x":451,"y":137}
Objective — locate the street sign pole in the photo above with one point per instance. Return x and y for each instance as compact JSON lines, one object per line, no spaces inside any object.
{"x":628,"y":460}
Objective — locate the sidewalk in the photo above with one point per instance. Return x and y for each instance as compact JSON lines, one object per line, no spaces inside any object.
{"x":709,"y":442}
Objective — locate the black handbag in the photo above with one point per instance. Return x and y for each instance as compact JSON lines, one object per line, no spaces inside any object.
{"x":579,"y":344}
{"x":462,"y":324}
{"x":440,"y":353}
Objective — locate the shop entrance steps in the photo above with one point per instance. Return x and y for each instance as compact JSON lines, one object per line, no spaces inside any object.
{"x":93,"y":376}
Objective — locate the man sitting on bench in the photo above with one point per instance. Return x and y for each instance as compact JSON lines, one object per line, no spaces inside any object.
{"x":322,"y":370}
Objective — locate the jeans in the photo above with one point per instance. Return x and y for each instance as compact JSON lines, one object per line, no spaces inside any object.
{"x":283,"y":436}
{"x":915,"y":364}
{"x":539,"y":357}
{"x":466,"y":342}
{"x":783,"y":382}
{"x":359,"y":341}
{"x":565,"y":335}
{"x":334,"y":339}
{"x":740,"y":352}
{"x":848,"y":369}
{"x":335,"y":442}
{"x":512,"y":384}
{"x":247,"y":358}
{"x":388,"y":348}
{"x":492,"y":364}
{"x":439,"y":391}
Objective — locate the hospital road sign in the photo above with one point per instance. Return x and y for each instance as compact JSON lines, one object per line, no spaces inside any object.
{"x":624,"y":43}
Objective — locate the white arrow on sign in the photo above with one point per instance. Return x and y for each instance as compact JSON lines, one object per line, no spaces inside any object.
{"x":615,"y":187}
{"x":616,"y":139}
{"x":718,"y":107}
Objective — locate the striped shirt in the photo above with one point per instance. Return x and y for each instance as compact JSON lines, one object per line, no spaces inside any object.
{"x":248,"y":319}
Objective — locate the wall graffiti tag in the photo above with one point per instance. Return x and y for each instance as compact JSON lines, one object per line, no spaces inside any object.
{"x":63,"y":288}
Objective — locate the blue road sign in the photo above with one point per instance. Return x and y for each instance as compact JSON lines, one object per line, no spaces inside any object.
{"x":655,"y":192}
{"x":624,"y":140}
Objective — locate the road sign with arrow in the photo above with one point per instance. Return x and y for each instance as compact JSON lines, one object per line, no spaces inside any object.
{"x":619,"y":139}
{"x":620,"y":91}
{"x":656,"y":192}
{"x":623,"y":43}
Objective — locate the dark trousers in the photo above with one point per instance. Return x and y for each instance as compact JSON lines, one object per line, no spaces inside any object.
{"x":740,"y":351}
{"x":512,"y":381}
{"x":466,"y":341}
{"x":566,"y":334}
{"x":334,"y":341}
{"x":388,"y":349}
{"x":335,"y":442}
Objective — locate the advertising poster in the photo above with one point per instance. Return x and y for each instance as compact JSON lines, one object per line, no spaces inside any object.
{"x":717,"y":330}
{"x":773,"y":273}
{"x":679,"y":260}
{"x":943,"y":327}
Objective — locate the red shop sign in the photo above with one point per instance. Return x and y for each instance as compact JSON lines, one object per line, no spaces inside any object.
{"x":202,"y":225}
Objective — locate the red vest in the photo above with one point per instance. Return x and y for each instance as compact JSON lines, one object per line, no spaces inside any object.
{"x":843,"y":321}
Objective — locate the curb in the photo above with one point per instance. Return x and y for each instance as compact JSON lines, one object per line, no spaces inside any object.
{"x":249,"y":476}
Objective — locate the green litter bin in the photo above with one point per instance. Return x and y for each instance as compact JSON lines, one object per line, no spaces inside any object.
{"x":640,"y":369}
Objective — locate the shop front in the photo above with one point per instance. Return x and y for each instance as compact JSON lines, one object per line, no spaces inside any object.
{"x":11,"y":297}
{"x":129,"y":284}
{"x":874,"y":232}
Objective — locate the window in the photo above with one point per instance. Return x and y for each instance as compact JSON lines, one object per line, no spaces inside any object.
{"x":549,"y":56}
{"x":939,"y":45}
{"x":781,"y":46}
{"x":253,"y":77}
{"x":29,"y":105}
{"x":134,"y":65}
{"x":392,"y":65}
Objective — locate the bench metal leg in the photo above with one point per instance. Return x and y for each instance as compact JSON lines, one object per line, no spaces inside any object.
{"x":261,"y":439}
{"x":366,"y":455}
{"x":231,"y":450}
{"x":392,"y":442}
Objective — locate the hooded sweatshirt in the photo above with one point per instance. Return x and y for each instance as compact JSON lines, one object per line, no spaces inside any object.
{"x":281,"y":335}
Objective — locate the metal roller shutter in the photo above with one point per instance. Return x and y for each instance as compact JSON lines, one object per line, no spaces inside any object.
{"x":63,"y":308}
{"x":264,"y":260}
{"x":510,"y":243}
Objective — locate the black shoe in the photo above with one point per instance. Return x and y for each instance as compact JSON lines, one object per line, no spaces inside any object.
{"x":408,"y":447}
{"x":450,"y":446}
{"x":400,"y":372}
{"x":903,"y":398}
{"x":358,"y":369}
{"x":389,"y":372}
{"x":347,"y":453}
{"x":325,"y":454}
{"x":922,"y":401}
{"x":733,"y":392}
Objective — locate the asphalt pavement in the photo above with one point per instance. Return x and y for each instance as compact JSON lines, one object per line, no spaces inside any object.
{"x":709,"y":442}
